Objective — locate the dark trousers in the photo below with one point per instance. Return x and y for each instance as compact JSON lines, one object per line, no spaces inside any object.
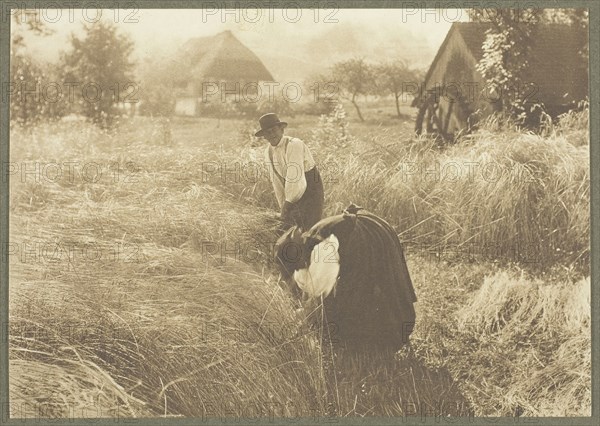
{"x":308,"y":209}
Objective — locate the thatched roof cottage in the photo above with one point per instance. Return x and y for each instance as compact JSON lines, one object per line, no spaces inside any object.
{"x":208,"y":61}
{"x":556,"y":76}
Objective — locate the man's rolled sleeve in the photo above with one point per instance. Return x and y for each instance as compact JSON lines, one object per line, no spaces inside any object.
{"x":277,"y":184}
{"x":295,"y":181}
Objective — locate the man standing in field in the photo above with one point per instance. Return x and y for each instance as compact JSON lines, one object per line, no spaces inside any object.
{"x":296,"y":181}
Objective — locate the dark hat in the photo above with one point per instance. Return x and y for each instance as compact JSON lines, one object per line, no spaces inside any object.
{"x":267,"y":121}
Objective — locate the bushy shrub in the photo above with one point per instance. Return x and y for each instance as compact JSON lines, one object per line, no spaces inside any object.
{"x":36,"y":91}
{"x":332,"y":129}
{"x":320,"y":106}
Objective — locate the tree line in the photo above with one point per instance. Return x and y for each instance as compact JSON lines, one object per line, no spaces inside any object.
{"x":96,"y":76}
{"x":356,"y":78}
{"x":92,"y":77}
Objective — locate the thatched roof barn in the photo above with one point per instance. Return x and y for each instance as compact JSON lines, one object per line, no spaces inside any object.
{"x":220,"y":59}
{"x":556,"y":76}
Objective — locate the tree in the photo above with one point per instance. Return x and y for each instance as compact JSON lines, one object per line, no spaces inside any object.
{"x":506,"y":51}
{"x":25,"y":78}
{"x":354,"y":78}
{"x":35,"y":93}
{"x":100,"y":68}
{"x":31,"y":86}
{"x":395,"y":78}
{"x":507,"y":48}
{"x":31,"y":19}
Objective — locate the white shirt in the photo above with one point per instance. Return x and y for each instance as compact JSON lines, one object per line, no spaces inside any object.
{"x":291,"y":159}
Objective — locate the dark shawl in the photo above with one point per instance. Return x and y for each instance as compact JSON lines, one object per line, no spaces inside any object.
{"x":372,"y":303}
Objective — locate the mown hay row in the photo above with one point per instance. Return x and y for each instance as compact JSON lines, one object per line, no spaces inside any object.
{"x":532,"y":346}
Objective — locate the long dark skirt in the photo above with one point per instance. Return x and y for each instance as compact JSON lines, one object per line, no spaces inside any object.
{"x":372,"y":304}
{"x":309,"y":209}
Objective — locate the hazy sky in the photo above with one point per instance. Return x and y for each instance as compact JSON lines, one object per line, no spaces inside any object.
{"x":304,"y":35}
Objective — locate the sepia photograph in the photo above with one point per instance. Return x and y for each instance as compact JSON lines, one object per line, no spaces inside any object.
{"x":283,"y":213}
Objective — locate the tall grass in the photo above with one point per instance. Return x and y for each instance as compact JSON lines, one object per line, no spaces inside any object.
{"x":507,"y":196}
{"x":518,"y":197}
{"x":150,"y":291}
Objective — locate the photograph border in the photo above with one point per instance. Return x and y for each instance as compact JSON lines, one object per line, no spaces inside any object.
{"x":594,"y":108}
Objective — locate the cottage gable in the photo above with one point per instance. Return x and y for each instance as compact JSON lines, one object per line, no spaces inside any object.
{"x":556,"y":75}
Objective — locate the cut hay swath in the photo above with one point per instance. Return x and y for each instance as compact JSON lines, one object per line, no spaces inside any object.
{"x":547,"y":329}
{"x":160,"y":329}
